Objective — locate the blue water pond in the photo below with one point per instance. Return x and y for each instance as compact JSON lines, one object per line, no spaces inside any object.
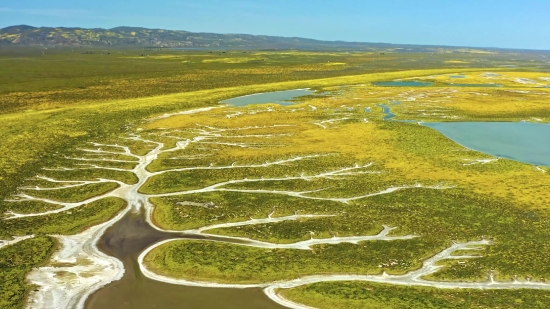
{"x":278,"y":97}
{"x":520,"y":141}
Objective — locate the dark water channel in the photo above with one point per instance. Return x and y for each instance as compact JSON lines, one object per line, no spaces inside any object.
{"x":125,"y":240}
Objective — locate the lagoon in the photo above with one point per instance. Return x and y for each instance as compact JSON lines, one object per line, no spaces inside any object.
{"x":520,"y":141}
{"x":277,"y":97}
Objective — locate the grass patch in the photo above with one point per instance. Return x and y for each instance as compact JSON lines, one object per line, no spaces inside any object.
{"x":67,"y":222}
{"x":218,"y":262}
{"x":75,"y":194}
{"x":15,"y":262}
{"x":351,"y":295}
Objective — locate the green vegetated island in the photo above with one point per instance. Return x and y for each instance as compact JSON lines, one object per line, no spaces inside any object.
{"x":122,"y":173}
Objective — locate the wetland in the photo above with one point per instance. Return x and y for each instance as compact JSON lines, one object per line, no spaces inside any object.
{"x":168,"y":199}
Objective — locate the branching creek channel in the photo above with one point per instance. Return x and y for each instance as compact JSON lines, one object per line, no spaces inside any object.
{"x":125,"y":240}
{"x":113,"y":251}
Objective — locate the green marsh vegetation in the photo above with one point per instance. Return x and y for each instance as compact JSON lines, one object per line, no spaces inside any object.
{"x":372,"y":295}
{"x":45,"y":108}
{"x":91,"y":174}
{"x":66,"y":76}
{"x":437,"y":217}
{"x":208,"y":261}
{"x":496,"y":201}
{"x":24,"y":207}
{"x":75,"y":194}
{"x":15,"y":262}
{"x":67,"y":222}
{"x":52,"y":105}
{"x":232,"y":207}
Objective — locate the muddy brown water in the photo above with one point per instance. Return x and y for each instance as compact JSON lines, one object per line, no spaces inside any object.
{"x":125,"y":240}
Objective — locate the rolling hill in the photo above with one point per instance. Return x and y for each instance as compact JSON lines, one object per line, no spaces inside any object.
{"x":134,"y":36}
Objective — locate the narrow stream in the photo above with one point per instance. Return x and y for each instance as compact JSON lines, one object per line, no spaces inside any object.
{"x":125,"y":240}
{"x":389,"y":115}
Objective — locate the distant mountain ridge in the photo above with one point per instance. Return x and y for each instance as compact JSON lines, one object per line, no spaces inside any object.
{"x":25,"y":35}
{"x":135,"y":36}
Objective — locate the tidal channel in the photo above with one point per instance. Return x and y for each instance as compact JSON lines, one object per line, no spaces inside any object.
{"x":125,"y":240}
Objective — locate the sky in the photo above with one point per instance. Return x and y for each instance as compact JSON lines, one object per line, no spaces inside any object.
{"x":521,"y":24}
